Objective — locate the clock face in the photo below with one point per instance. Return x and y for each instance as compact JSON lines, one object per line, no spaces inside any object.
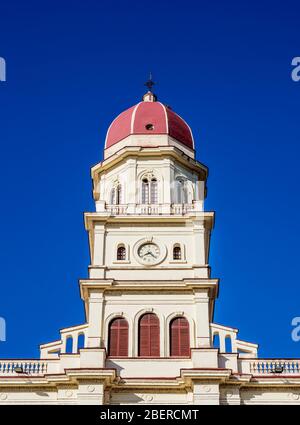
{"x":149,"y":253}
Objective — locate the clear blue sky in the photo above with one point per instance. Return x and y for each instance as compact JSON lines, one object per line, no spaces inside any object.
{"x":225,"y":67}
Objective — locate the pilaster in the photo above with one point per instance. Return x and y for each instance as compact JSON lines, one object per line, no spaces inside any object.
{"x":202,"y":318}
{"x":95,"y":319}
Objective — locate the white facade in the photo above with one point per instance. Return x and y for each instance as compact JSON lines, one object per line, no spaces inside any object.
{"x":148,"y":201}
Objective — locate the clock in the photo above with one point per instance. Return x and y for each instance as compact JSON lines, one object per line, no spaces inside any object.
{"x":149,"y":253}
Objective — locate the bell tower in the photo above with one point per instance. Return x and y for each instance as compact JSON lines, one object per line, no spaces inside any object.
{"x":149,"y":296}
{"x":149,"y":237}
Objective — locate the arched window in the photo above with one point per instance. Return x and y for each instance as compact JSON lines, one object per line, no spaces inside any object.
{"x":181,"y":191}
{"x":216,"y":341}
{"x":149,"y":341}
{"x":228,"y":345}
{"x":121,"y":253}
{"x":179,"y":337}
{"x":177,"y":253}
{"x":80,"y":341}
{"x":149,"y":191}
{"x":69,"y":345}
{"x":154,"y":194}
{"x":145,"y":191}
{"x":118,"y":338}
{"x":116,"y":195}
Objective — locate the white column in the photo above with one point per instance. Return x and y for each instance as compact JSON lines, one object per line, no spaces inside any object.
{"x":131,"y":197}
{"x":165,"y":196}
{"x":95,"y":331}
{"x":199,"y":251}
{"x":98,"y":251}
{"x":75,"y":343}
{"x":202,"y":318}
{"x":222,"y":342}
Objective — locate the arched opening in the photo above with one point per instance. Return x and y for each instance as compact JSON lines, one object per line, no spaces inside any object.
{"x":149,"y":341}
{"x":228,"y":345}
{"x":149,"y":191}
{"x":69,"y":345}
{"x":121,"y":253}
{"x":181,"y":191}
{"x":154,"y":192}
{"x":145,"y":191}
{"x":80,"y":341}
{"x":177,"y":253}
{"x":216,"y":341}
{"x":179,"y":337}
{"x":118,"y":338}
{"x":116,"y":195}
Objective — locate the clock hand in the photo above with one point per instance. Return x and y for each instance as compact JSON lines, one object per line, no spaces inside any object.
{"x":149,"y":252}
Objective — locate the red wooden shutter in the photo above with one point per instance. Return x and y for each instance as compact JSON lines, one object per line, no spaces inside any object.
{"x":179,"y":337}
{"x":149,"y":336}
{"x":118,"y":338}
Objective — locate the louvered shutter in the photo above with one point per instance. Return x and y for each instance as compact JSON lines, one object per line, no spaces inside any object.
{"x":149,"y":343}
{"x":179,"y":337}
{"x":118,"y":338}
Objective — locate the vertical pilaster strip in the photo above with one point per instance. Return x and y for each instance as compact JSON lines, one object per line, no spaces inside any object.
{"x":95,"y":332}
{"x":99,"y":245}
{"x":202,"y":318}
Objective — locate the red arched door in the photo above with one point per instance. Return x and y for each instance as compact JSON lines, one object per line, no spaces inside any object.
{"x":118,"y":338}
{"x":149,"y":336}
{"x":179,"y":337}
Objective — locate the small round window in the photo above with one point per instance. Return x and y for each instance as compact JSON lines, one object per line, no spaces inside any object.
{"x":149,"y":127}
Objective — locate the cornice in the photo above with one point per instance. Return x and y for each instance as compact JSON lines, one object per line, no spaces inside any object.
{"x":205,"y":218}
{"x":140,"y":152}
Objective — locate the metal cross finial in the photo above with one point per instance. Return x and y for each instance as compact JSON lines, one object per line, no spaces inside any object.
{"x":150,"y":83}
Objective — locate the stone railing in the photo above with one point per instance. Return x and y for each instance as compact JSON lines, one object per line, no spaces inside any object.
{"x":28,"y":367}
{"x":150,"y":209}
{"x":181,"y":209}
{"x":228,"y":342}
{"x":53,"y":349}
{"x":273,"y":366}
{"x":117,"y":209}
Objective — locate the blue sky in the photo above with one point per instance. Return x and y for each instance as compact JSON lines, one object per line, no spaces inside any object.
{"x":225,"y":67}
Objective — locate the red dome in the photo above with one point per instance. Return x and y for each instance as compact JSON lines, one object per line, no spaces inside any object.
{"x":149,"y":117}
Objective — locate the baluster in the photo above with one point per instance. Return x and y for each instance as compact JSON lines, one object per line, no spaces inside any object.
{"x":273,"y":365}
{"x":294,"y":367}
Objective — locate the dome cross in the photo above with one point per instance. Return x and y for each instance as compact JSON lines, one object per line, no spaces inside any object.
{"x":150,"y":83}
